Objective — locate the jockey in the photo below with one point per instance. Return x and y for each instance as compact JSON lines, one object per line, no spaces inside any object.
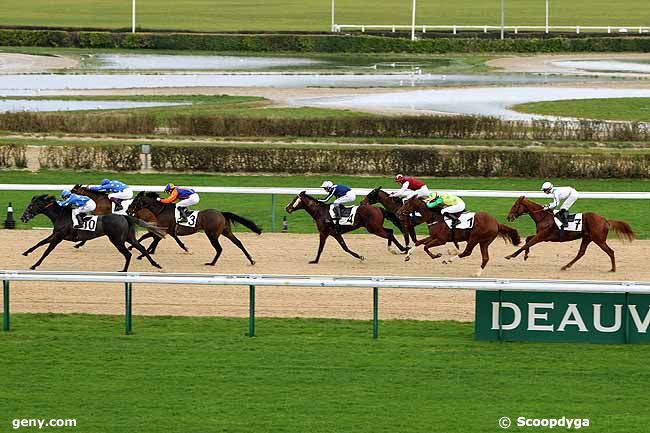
{"x":117,"y":191}
{"x":566,"y":193}
{"x":343,"y":194}
{"x":186,"y":196}
{"x":452,"y":205}
{"x":80,"y":204}
{"x":410,"y":187}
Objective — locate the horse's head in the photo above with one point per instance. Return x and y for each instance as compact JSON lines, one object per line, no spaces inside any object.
{"x":517,"y":209}
{"x":372,"y":197}
{"x":296,"y":203}
{"x":143,"y":200}
{"x":38,"y":204}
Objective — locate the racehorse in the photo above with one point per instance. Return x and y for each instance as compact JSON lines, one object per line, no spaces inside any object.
{"x":485,"y":230}
{"x":105,"y":207}
{"x":370,"y":217}
{"x":213,"y":222}
{"x":118,"y":228}
{"x":393,"y":204}
{"x":594,"y":229}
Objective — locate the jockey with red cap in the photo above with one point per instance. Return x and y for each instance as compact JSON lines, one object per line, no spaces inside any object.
{"x":411,"y":187}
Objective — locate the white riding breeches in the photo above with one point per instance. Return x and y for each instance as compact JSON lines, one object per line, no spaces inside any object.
{"x":88,"y":208}
{"x":570,"y":200}
{"x":458,"y":207}
{"x":350,"y":196}
{"x":190,"y":201}
{"x":423,"y":192}
{"x":127,"y":194}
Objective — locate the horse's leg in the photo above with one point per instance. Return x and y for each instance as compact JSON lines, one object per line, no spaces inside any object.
{"x":471,"y":244}
{"x":341,"y":242}
{"x":143,"y":251}
{"x":39,"y":244}
{"x":385,"y":233}
{"x":435,"y":242}
{"x":150,"y":250}
{"x":239,"y":245}
{"x":527,"y":251}
{"x":321,"y":245}
{"x":485,"y":257}
{"x":214,"y":240}
{"x":53,"y":243}
{"x":535,"y":240}
{"x":179,"y":242}
{"x":143,"y":237}
{"x":602,"y":243}
{"x":80,"y":244}
{"x":119,"y":244}
{"x":581,"y":252}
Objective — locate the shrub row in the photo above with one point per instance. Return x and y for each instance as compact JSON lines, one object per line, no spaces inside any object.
{"x":78,"y":123}
{"x":13,"y":156}
{"x":84,"y":157}
{"x":316,"y":42}
{"x":421,"y":162}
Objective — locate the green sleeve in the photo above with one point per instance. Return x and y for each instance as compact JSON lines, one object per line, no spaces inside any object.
{"x":434,"y":203}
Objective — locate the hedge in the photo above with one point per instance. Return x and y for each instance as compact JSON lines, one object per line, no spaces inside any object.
{"x":78,"y":123}
{"x":83,"y":157}
{"x":13,"y":156}
{"x":327,"y":43}
{"x":427,"y":161}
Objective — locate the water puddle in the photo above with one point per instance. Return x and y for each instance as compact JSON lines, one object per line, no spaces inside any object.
{"x":187,"y":63}
{"x":606,"y":66}
{"x":17,"y":105}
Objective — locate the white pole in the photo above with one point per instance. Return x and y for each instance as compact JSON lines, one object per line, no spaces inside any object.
{"x":413,"y":22}
{"x":133,"y":18}
{"x":503,"y":20}
{"x":547,"y":16}
{"x":332,"y":15}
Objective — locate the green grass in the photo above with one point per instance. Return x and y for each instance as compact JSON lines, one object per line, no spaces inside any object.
{"x":630,"y":109}
{"x":209,"y":15}
{"x":258,"y":207}
{"x":179,"y":374}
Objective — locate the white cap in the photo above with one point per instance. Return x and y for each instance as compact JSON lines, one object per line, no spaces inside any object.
{"x":547,"y":185}
{"x":327,"y":184}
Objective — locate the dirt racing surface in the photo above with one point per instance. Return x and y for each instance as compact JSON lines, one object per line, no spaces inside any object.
{"x":278,"y":253}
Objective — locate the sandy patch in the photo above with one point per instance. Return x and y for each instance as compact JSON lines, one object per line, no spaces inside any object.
{"x":11,"y":63}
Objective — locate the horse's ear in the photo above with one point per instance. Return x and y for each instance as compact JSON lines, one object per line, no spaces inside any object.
{"x":302,"y":193}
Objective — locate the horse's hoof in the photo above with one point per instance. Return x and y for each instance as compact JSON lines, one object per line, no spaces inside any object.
{"x":525,"y":258}
{"x":362,"y":258}
{"x":157,"y":266}
{"x":437,"y":256}
{"x":25,"y":254}
{"x":508,"y":257}
{"x":313,"y":262}
{"x":407,"y":258}
{"x":139,"y":258}
{"x":208,"y":264}
{"x":612,"y":270}
{"x":33,"y":268}
{"x":252,"y":262}
{"x":564,"y":268}
{"x":189,"y":253}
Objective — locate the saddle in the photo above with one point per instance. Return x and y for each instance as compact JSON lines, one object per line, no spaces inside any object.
{"x":574,"y":220}
{"x":347,"y":214}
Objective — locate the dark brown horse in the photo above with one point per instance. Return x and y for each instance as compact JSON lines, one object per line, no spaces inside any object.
{"x":105,"y":207}
{"x":392,"y":204}
{"x":213,"y":222}
{"x":594,"y":229}
{"x":485,"y":230}
{"x":370,"y":217}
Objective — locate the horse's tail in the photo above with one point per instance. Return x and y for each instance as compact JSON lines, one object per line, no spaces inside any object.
{"x":138,"y":222}
{"x":509,"y":234}
{"x":243,"y":221}
{"x":390,"y":216}
{"x":622,"y":229}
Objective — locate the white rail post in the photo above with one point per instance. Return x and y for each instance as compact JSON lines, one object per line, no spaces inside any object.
{"x":133,"y":17}
{"x":413,"y":21}
{"x":516,"y":31}
{"x":577,"y":30}
{"x":363,"y":29}
{"x":485,"y":29}
{"x":503,"y":20}
{"x":546,"y":16}
{"x":454,"y":29}
{"x":393,"y":28}
{"x":333,"y":25}
{"x":609,"y":29}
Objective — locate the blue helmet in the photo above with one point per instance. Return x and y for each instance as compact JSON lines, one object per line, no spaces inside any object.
{"x":169,"y":187}
{"x":105,"y":181}
{"x":65,"y":193}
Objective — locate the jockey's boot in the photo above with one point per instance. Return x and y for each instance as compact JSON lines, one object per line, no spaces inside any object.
{"x":182,"y":215}
{"x":118,"y":204}
{"x":80,"y":221}
{"x":564,"y":217}
{"x":454,"y":220}
{"x":337,"y":218}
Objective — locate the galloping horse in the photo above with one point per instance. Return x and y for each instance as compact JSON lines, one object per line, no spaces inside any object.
{"x":370,"y":217}
{"x":485,"y":230}
{"x":213,"y":222}
{"x":594,"y":229}
{"x":105,"y":207}
{"x":393,"y":204}
{"x":118,"y":228}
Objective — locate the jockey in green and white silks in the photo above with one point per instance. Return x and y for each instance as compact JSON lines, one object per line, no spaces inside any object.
{"x":566,"y":193}
{"x":452,"y":205}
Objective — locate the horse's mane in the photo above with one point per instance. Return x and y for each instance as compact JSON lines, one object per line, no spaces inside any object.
{"x":85,"y":190}
{"x":151,"y":194}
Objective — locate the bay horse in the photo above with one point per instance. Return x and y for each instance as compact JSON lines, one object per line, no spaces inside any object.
{"x":213,"y":222}
{"x":118,"y":228}
{"x":594,"y":229}
{"x":105,"y":207}
{"x":406,"y":224}
{"x":367,"y":216}
{"x":485,"y":230}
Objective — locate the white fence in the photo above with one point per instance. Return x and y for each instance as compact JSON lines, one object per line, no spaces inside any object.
{"x":485,"y":28}
{"x":254,"y":280}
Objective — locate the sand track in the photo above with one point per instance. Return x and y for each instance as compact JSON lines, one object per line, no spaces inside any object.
{"x":289,"y":254}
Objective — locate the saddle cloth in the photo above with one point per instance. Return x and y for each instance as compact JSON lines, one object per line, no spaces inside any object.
{"x":125,"y":206}
{"x":575,"y":222}
{"x":347,"y":215}
{"x":191,"y":220}
{"x":466,"y":221}
{"x":89,"y":223}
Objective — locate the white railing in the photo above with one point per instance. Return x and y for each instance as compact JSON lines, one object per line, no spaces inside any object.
{"x":254,"y":280}
{"x":485,"y":28}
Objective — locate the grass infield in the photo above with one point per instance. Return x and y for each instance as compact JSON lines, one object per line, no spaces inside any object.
{"x":258,"y":207}
{"x":205,"y":375}
{"x":628,"y":109}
